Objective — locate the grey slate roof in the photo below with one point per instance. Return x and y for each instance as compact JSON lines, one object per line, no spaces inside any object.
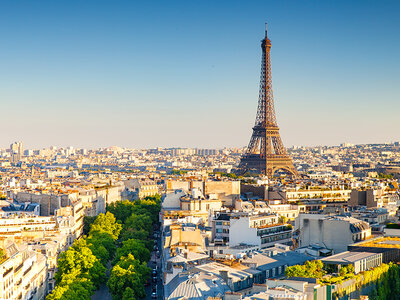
{"x":199,"y":285}
{"x":263,"y":262}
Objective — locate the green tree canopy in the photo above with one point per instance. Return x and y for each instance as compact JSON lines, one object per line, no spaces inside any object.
{"x":79,"y":262}
{"x":135,"y":247}
{"x":78,"y":258}
{"x":107,"y":223}
{"x":75,"y":291}
{"x":128,"y":273}
{"x":128,"y":294}
{"x":87,"y":222}
{"x":121,"y":210}
{"x":102,"y":245}
{"x":310,"y":269}
{"x":131,"y":233}
{"x":72,"y":287}
{"x":140,"y":222}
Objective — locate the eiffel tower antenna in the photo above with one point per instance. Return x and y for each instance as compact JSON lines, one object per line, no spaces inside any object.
{"x":266,"y":153}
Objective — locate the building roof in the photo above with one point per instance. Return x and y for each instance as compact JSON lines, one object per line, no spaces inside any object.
{"x":380,"y":242}
{"x":179,"y":236}
{"x":236,"y":272}
{"x":263,"y":262}
{"x":197,"y":286}
{"x":282,"y":291}
{"x":347,"y":257}
{"x":222,"y":217}
{"x":30,"y":207}
{"x":191,"y":256}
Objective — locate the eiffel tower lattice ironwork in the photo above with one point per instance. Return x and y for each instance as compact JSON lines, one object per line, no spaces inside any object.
{"x":266,"y":153}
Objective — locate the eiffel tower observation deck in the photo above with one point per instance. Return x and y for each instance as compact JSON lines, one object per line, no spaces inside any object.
{"x":266,"y":153}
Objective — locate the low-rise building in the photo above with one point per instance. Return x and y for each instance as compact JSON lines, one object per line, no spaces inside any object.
{"x":261,"y":230}
{"x":262,"y":291}
{"x":388,"y":246}
{"x":197,"y":286}
{"x":237,"y":276}
{"x":274,"y":266}
{"x":332,"y":232}
{"x":361,"y":261}
{"x":179,"y":204}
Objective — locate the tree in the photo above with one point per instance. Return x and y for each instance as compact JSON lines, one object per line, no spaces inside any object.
{"x":121,"y":210}
{"x":139,"y":222}
{"x":156,"y":198}
{"x":350,"y":269}
{"x":310,"y":269}
{"x":295,"y":271}
{"x":79,"y":262}
{"x":135,"y":247}
{"x":100,"y":252}
{"x":102,"y":245}
{"x":128,"y":273}
{"x":87,"y":222}
{"x":72,"y":288}
{"x":153,"y":206}
{"x":79,"y":259}
{"x":373,"y":295}
{"x":282,"y":219}
{"x":98,"y":274}
{"x":107,"y":223}
{"x":128,"y":294}
{"x":2,"y":254}
{"x":131,"y":233}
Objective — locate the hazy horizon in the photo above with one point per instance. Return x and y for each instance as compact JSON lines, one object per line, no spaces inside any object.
{"x":186,"y":74}
{"x":194,"y":147}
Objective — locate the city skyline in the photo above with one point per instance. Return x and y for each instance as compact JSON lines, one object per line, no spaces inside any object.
{"x":93,"y":75}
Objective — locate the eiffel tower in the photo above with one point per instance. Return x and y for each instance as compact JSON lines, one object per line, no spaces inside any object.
{"x":266,"y":153}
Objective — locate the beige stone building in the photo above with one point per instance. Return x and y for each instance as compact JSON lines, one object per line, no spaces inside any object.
{"x":180,"y":204}
{"x":23,"y":272}
{"x":142,"y":187}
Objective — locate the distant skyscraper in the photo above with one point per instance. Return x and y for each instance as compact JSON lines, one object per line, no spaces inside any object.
{"x":16,"y":151}
{"x":266,"y":153}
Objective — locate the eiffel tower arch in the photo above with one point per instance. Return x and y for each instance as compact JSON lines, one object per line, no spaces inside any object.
{"x":266,"y":153}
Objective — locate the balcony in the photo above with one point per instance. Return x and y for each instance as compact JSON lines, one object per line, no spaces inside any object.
{"x":19,"y":267}
{"x":7,"y":272}
{"x":27,"y":270}
{"x":274,"y":230}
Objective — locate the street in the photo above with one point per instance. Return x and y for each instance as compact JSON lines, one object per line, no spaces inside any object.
{"x":103,"y":292}
{"x":155,"y":262}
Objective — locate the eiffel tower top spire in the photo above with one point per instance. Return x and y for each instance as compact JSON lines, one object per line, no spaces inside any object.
{"x":266,"y":153}
{"x":266,"y":109}
{"x":268,"y":42}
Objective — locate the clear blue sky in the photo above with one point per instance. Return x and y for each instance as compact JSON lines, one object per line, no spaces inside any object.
{"x":186,"y":73}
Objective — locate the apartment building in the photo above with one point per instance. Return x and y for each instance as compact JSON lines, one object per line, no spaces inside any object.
{"x":142,"y":187}
{"x":179,"y":203}
{"x":261,"y":230}
{"x":338,"y":195}
{"x":23,"y":272}
{"x":332,"y":232}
